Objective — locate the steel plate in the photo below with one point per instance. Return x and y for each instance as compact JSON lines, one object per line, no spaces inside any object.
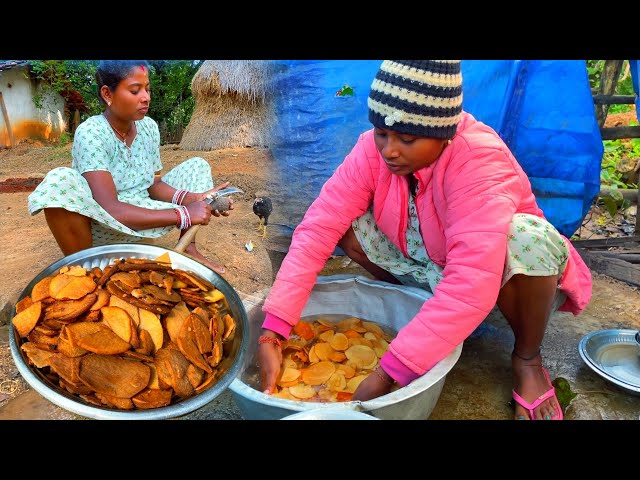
{"x":614,"y":355}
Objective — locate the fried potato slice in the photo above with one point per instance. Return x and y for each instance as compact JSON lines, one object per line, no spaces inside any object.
{"x":103,"y":299}
{"x":119,"y":321}
{"x":304,"y":330}
{"x":132,"y":310}
{"x":161,"y":293}
{"x":175,"y":319}
{"x":115,"y":402}
{"x":146,"y":343}
{"x":65,"y":310}
{"x":150,"y":322}
{"x":213,"y":296}
{"x":152,"y":398}
{"x":104,"y":342}
{"x":112,"y":375}
{"x":66,"y":367}
{"x":337,"y":382}
{"x":36,"y":355}
{"x":194,"y":375}
{"x":130,"y":279}
{"x":188,"y":346}
{"x":26,"y":320}
{"x":78,"y":287}
{"x":216,"y":353}
{"x":229,"y":327}
{"x":40,"y":290}
{"x":164,"y":258}
{"x":202,"y":335}
{"x":23,"y":304}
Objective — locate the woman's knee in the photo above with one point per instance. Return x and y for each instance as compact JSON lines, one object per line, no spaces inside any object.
{"x":349,"y":243}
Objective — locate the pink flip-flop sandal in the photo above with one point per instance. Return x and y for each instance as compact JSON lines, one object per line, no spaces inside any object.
{"x":545,"y":396}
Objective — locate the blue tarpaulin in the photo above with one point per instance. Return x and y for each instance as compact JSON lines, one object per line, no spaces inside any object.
{"x":542,"y":109}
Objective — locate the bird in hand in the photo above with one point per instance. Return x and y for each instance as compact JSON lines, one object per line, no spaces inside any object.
{"x":262,"y":207}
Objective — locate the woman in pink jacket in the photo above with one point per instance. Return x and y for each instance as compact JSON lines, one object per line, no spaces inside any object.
{"x":431,"y":197}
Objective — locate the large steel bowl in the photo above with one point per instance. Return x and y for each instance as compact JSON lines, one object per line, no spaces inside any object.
{"x":349,"y":295}
{"x":100,"y":257}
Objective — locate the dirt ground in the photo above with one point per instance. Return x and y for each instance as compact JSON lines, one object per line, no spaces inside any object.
{"x":28,"y":248}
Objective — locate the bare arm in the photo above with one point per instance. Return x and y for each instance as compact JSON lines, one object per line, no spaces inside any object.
{"x":137,"y":218}
{"x":164,"y":192}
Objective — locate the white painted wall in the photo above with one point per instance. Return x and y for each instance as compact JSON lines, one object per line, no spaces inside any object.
{"x":19,"y":102}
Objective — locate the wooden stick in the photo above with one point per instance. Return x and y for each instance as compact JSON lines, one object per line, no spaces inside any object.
{"x":6,"y":121}
{"x":187,"y":238}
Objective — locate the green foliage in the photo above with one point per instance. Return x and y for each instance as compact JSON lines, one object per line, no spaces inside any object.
{"x":171,"y":100}
{"x":563,"y":392}
{"x":71,"y":79}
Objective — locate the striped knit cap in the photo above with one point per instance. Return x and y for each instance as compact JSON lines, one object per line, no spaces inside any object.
{"x":417,"y":97}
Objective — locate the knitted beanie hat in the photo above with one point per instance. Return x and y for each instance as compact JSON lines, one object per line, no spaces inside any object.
{"x":417,"y":97}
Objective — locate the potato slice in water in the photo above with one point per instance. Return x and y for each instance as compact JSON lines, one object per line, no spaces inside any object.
{"x":318,"y":373}
{"x":339,"y":341}
{"x":352,"y":383}
{"x":361,"y":355}
{"x":289,"y":375}
{"x":324,"y":350}
{"x":302,"y":392}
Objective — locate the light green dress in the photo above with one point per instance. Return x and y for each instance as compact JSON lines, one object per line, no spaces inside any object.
{"x":534,"y":248}
{"x":96,"y":147}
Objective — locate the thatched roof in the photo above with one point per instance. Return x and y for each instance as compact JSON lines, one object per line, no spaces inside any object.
{"x":233,"y":105}
{"x":247,"y":78}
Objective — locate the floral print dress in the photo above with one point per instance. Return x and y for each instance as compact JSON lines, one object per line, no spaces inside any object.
{"x":534,"y":248}
{"x":96,"y":147}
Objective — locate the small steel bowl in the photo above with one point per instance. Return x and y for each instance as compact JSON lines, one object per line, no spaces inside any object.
{"x":100,"y":257}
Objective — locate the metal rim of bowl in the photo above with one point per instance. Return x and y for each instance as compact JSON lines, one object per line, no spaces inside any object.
{"x":75,"y":405}
{"x":596,"y":368}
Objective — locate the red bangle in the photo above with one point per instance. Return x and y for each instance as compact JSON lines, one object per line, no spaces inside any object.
{"x":178,"y":218}
{"x":269,"y":339}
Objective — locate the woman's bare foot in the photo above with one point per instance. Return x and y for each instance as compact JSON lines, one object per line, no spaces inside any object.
{"x":193,"y":251}
{"x":530,"y":383}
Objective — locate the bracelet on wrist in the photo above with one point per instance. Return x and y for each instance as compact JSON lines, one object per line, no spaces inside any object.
{"x":270,"y":339}
{"x":383,"y":376}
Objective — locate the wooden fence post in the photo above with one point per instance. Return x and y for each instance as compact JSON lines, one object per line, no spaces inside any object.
{"x":6,"y":121}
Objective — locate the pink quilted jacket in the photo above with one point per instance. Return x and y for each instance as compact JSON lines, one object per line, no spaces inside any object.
{"x":465,"y":203}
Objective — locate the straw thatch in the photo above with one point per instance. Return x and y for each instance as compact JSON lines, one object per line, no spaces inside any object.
{"x":233,"y":105}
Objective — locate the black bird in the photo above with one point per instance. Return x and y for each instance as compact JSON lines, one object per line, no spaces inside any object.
{"x":263,"y":207}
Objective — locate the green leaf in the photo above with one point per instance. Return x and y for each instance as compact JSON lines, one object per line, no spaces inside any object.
{"x":610,"y":204}
{"x":563,"y":392}
{"x":345,"y":91}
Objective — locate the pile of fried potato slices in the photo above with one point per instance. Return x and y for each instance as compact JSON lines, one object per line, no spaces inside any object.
{"x":325,"y":361}
{"x":136,"y":335}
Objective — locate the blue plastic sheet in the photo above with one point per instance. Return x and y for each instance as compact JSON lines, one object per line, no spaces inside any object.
{"x":542,"y":109}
